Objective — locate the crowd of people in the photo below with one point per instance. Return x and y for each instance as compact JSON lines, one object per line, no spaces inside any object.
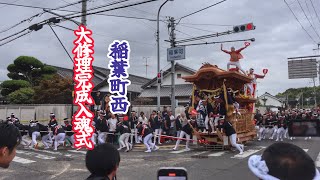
{"x":274,"y":125}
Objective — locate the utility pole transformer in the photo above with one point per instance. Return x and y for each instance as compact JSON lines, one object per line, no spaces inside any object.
{"x":84,"y":13}
{"x":173,"y":44}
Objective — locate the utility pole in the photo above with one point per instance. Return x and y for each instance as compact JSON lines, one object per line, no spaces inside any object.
{"x":84,"y":13}
{"x":173,"y":44}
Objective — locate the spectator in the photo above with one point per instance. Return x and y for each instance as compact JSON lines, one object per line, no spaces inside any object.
{"x":103,"y":167}
{"x":283,"y":161}
{"x":10,"y":138}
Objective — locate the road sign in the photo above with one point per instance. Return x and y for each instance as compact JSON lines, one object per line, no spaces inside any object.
{"x":176,"y":53}
{"x":306,"y":68}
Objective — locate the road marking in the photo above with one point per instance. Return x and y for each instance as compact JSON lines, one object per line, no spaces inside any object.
{"x":177,"y":152}
{"x":22,"y":160}
{"x":306,"y":150}
{"x":318,"y":161}
{"x":217,"y":154}
{"x":37,"y":155}
{"x":75,"y":151}
{"x":52,"y":152}
{"x":197,"y":154}
{"x":246,"y":153}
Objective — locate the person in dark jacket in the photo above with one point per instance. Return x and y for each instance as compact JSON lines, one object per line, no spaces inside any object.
{"x":157,"y":127}
{"x":133,"y":121}
{"x":124,"y":131}
{"x":102,"y":128}
{"x":59,"y":135}
{"x":231,"y":133}
{"x":34,"y":133}
{"x":69,"y":133}
{"x":45,"y":136}
{"x":185,"y":131}
{"x":103,"y":162}
{"x":146,"y":133}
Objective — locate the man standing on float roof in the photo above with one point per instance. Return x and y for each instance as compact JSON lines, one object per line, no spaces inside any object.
{"x":235,"y":56}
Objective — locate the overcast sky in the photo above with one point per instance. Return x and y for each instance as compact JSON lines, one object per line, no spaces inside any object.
{"x":278,"y":35}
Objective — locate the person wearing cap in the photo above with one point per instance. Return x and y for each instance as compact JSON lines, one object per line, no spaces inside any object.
{"x":34,"y":133}
{"x":69,"y":133}
{"x":59,"y":135}
{"x":282,"y":161}
{"x":102,"y":128}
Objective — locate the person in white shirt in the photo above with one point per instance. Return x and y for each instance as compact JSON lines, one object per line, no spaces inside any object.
{"x":143,"y":119}
{"x":112,"y":122}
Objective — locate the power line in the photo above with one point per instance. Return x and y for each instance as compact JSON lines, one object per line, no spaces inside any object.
{"x":16,"y":38}
{"x":315,"y":11}
{"x":207,"y":24}
{"x":201,"y":10}
{"x":308,"y":19}
{"x":14,"y":34}
{"x":187,"y":34}
{"x":198,"y":29}
{"x":309,"y":12}
{"x":299,"y":22}
{"x":39,"y":14}
{"x":115,"y":8}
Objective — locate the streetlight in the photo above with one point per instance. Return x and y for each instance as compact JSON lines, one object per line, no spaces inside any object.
{"x":158,"y":53}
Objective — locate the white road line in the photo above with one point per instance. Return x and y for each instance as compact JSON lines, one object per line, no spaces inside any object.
{"x":246,"y":153}
{"x":306,"y":150}
{"x":75,"y":151}
{"x":37,"y":155}
{"x":318,"y":161}
{"x":22,"y":160}
{"x":177,"y":152}
{"x":199,"y":153}
{"x":217,"y":154}
{"x":54,"y":153}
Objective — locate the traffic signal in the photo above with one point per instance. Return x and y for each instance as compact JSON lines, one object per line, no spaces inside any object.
{"x":159,"y":77}
{"x":244,"y":27}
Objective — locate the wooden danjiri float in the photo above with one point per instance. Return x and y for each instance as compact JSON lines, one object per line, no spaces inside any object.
{"x":211,"y":81}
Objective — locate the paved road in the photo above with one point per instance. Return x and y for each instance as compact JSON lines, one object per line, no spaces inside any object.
{"x":69,"y":164}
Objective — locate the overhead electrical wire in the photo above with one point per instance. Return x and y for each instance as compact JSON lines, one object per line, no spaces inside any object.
{"x":207,"y":24}
{"x":300,"y":22}
{"x":38,"y":14}
{"x":200,"y":10}
{"x":92,"y":13}
{"x":115,"y":8}
{"x":16,"y":38}
{"x":308,"y":19}
{"x":309,"y":12}
{"x":315,"y":11}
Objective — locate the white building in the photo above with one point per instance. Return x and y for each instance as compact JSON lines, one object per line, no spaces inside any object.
{"x":270,"y":101}
{"x":183,"y":90}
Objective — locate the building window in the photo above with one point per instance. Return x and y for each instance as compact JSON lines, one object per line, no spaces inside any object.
{"x":178,"y":76}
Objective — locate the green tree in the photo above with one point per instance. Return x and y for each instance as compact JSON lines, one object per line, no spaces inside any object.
{"x":55,"y":90}
{"x":29,"y":69}
{"x":10,"y":86}
{"x":22,"y":96}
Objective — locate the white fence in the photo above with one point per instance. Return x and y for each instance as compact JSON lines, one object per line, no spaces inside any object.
{"x":39,"y":112}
